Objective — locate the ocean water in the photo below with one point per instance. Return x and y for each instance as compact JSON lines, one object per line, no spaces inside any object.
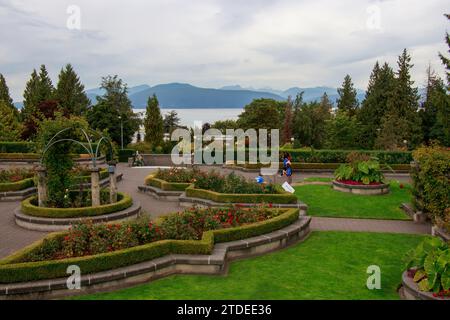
{"x":189,"y":116}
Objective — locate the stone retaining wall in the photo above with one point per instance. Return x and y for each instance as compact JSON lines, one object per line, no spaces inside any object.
{"x":361,"y":189}
{"x":410,"y":290}
{"x":157,"y":193}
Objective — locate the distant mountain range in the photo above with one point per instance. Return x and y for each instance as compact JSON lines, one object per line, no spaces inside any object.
{"x":182,"y":95}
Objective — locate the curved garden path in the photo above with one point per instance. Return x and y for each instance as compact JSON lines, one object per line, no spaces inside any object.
{"x":13,"y":238}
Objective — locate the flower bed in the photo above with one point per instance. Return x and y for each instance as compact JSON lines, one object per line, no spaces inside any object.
{"x":235,"y":189}
{"x":29,"y":207}
{"x":173,"y":179}
{"x":362,"y":175}
{"x":16,"y":179}
{"x":280,"y":197}
{"x":150,"y":240}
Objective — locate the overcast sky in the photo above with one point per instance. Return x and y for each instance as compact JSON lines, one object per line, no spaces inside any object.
{"x":212,"y":43}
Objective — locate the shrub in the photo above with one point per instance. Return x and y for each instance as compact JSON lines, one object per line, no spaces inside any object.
{"x":431,"y":183}
{"x":124,"y":154}
{"x":141,"y":147}
{"x":430,"y":265}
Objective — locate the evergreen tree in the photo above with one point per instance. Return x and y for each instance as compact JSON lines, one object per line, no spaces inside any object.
{"x":153,"y":123}
{"x":326,"y":106}
{"x":30,"y":95}
{"x":373,"y":108}
{"x":113,"y":111}
{"x":70,"y":92}
{"x":402,"y":108}
{"x":4,"y":94}
{"x":445,"y":60}
{"x":38,"y":91}
{"x":10,"y":127}
{"x":347,"y":101}
{"x":288,"y":121}
{"x":435,"y":110}
{"x":45,"y":88}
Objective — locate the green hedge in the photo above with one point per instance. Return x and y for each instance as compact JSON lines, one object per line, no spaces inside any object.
{"x":17,"y":186}
{"x":281,"y":198}
{"x":30,"y":147}
{"x":325,"y":166}
{"x":15,"y":156}
{"x":13,"y":269}
{"x":17,"y":147}
{"x":164,"y":185}
{"x":125,"y":201}
{"x":124,"y":154}
{"x":339,"y":156}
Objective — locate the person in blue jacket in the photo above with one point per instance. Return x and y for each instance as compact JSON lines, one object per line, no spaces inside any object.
{"x":287,"y":167}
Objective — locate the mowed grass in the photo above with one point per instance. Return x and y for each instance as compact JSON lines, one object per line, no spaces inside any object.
{"x":323,"y":201}
{"x":318,"y":179}
{"x":327,"y":265}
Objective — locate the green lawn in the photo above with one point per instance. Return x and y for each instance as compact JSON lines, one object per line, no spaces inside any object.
{"x":328,"y":265}
{"x":323,"y":201}
{"x":318,"y":179}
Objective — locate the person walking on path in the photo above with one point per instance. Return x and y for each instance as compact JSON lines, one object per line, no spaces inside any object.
{"x":287,"y":167}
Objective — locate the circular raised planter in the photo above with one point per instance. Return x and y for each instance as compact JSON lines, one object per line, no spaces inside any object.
{"x":410,"y":290}
{"x":368,"y":190}
{"x":32,"y":217}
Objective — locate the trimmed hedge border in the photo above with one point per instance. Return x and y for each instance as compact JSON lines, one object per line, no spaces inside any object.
{"x":17,"y":186}
{"x":152,"y":181}
{"x":29,"y":209}
{"x":302,"y":166}
{"x":16,"y":147}
{"x":13,"y":269}
{"x":281,"y":198}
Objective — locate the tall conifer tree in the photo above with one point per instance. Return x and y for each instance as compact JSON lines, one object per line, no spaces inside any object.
{"x":153,"y":123}
{"x":347,"y":101}
{"x":70,"y":92}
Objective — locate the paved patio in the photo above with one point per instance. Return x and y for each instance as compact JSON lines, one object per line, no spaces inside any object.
{"x":13,"y":238}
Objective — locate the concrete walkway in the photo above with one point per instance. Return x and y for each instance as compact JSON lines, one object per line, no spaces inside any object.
{"x":13,"y":238}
